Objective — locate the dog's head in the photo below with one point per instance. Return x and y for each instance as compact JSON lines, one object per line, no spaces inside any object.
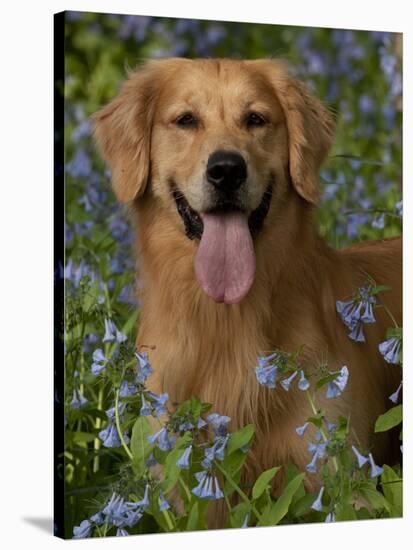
{"x":219,"y":143}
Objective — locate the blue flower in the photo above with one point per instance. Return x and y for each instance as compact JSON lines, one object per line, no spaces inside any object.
{"x":303,"y":383}
{"x":362,"y":460}
{"x":375,"y":470}
{"x":311,"y":467}
{"x":399,"y":208}
{"x":267,"y":370}
{"x":162,"y":439}
{"x":126,"y":389}
{"x":357,"y":334}
{"x":151,"y":461}
{"x":159,"y":403}
{"x":330,"y":517}
{"x":352,"y":316}
{"x":183,"y":461}
{"x":144,"y":503}
{"x":331,"y":427}
{"x":144,"y":369}
{"x":83,"y":531}
{"x":317,"y":504}
{"x":78,"y":400}
{"x":110,"y":413}
{"x":145,"y":408}
{"x":287,"y":381}
{"x":205,"y":488}
{"x":378,"y":222}
{"x":395,"y":396}
{"x":121,"y":532}
{"x":112,"y":333}
{"x":201,"y":424}
{"x":110,"y":437}
{"x":390,"y":349}
{"x":99,"y":361}
{"x":217,"y":450}
{"x":163,"y":504}
{"x":219,"y":423}
{"x":301,"y":429}
{"x":338,"y":385}
{"x":186,"y":426}
{"x":115,"y":511}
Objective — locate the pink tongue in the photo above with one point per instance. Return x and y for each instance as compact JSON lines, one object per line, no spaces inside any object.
{"x":225,"y":261}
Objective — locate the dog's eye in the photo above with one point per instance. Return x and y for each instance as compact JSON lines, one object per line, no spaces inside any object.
{"x":254,"y":119}
{"x":186,"y":120}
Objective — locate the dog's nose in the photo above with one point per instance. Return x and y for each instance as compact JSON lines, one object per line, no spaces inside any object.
{"x":226,"y":170}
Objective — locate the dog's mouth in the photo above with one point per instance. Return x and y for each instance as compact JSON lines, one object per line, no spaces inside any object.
{"x":194,"y":225}
{"x":225,"y":259}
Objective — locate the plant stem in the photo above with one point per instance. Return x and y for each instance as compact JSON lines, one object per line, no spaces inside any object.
{"x":97,"y":442}
{"x":122,"y":440}
{"x":389,"y":313}
{"x":185,"y":488}
{"x":323,"y":434}
{"x":238,"y":490}
{"x":168,"y":520}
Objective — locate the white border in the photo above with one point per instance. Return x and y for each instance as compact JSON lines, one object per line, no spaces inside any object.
{"x":26,"y":265}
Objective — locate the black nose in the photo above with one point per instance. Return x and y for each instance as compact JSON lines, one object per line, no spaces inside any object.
{"x":226,"y":170}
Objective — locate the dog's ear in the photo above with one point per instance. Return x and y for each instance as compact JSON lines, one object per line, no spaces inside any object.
{"x":310,"y":129}
{"x":122,"y":131}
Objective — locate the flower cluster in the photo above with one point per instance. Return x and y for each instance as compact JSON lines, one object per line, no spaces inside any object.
{"x":358,"y":311}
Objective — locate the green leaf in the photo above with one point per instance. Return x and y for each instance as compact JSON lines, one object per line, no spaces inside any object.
{"x":344,"y":511}
{"x":238,"y":514}
{"x":326,"y":379}
{"x":280,"y":508}
{"x":376,"y":500}
{"x":302,"y":505}
{"x":193,"y":518}
{"x":240,"y":438}
{"x":263,"y":482}
{"x":393,"y":490}
{"x":389,"y":419}
{"x":140,"y":445}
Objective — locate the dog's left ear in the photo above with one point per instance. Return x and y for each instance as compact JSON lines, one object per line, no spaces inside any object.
{"x":310,"y":129}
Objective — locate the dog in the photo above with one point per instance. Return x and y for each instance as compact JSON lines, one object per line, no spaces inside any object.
{"x":219,"y":161}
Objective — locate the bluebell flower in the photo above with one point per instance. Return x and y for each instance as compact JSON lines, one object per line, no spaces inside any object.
{"x":394,"y":397}
{"x":303,"y":383}
{"x":132,"y":517}
{"x":246,"y":520}
{"x":162,"y":439}
{"x":356,"y":334}
{"x":110,"y":437}
{"x":78,"y":400}
{"x":311,"y":467}
{"x":205,"y":488}
{"x":183,"y":461}
{"x":186,"y":426}
{"x":301,"y":429}
{"x":218,"y":449}
{"x":99,"y":362}
{"x":317,"y":504}
{"x":201,"y":423}
{"x":163,"y":504}
{"x":110,"y":413}
{"x":378,"y":222}
{"x":159,"y":403}
{"x":375,"y":470}
{"x":126,"y":389}
{"x":330,"y":517}
{"x":390,"y":349}
{"x":80,"y":166}
{"x":97,"y":518}
{"x":399,"y":208}
{"x":121,"y":532}
{"x":287,"y":381}
{"x":115,"y":510}
{"x":267,"y":376}
{"x":219,"y":423}
{"x":112,"y":333}
{"x":146,"y":409}
{"x":151,"y":461}
{"x":144,"y":369}
{"x":83,"y":531}
{"x":144,"y":503}
{"x":331,"y":427}
{"x":361,"y":460}
{"x":338,"y":385}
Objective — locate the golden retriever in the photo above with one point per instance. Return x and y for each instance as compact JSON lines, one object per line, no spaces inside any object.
{"x":219,"y":160}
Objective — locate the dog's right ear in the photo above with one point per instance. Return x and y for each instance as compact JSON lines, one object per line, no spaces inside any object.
{"x":122,"y":130}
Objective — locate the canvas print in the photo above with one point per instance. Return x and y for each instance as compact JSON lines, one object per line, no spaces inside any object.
{"x":229,"y":285}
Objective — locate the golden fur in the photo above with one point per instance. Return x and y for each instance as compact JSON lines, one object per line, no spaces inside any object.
{"x":210,"y":349}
